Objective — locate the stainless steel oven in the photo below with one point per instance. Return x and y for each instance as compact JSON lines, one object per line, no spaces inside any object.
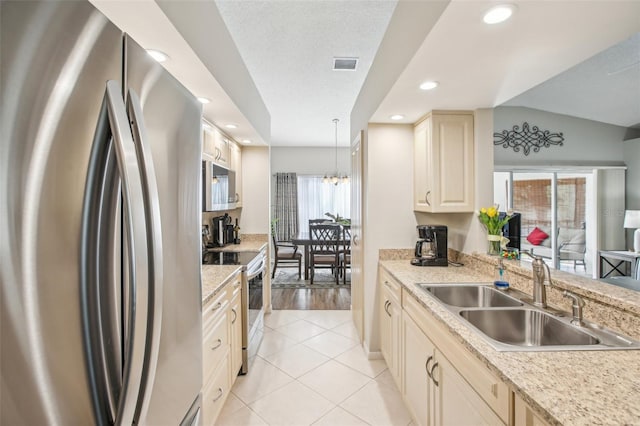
{"x":253,"y":266}
{"x":253,"y":311}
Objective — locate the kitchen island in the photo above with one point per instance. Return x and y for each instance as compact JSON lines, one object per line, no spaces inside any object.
{"x":564,"y":387}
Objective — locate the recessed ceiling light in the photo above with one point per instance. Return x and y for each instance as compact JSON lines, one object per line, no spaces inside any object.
{"x":157,"y":55}
{"x":203,"y":100}
{"x":429,"y":85}
{"x":247,"y":141}
{"x":397,"y":117}
{"x":230,"y":126}
{"x":498,"y":14}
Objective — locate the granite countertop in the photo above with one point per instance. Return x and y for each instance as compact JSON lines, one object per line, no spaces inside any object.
{"x":254,"y":242}
{"x":567,"y":387}
{"x":214,"y":276}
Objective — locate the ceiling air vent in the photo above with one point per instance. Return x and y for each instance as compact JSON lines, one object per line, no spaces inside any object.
{"x":345,"y":64}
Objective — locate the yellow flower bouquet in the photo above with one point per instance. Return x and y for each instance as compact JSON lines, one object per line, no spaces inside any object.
{"x":490,"y":218}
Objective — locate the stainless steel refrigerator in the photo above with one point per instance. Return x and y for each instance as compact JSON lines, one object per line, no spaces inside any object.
{"x":99,"y":225}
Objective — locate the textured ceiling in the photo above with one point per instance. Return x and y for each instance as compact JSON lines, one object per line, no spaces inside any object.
{"x":288,"y":48}
{"x":605,"y":88}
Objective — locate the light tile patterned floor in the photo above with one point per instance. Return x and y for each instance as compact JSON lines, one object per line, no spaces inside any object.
{"x":311,"y":370}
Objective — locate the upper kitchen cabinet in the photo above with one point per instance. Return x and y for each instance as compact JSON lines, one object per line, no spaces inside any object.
{"x":215,"y":146}
{"x":235,"y":159}
{"x":444,"y":163}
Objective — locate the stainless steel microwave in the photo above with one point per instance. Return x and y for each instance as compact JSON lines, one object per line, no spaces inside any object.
{"x":218,"y":187}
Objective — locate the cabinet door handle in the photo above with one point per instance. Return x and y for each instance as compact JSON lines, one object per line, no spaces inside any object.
{"x":235,"y":316}
{"x":387,"y":284}
{"x":433,"y":377}
{"x":213,"y":348}
{"x":386,"y":307}
{"x":220,"y":393}
{"x":355,"y":240}
{"x":426,"y":365}
{"x":218,"y":306}
{"x":426,"y":198}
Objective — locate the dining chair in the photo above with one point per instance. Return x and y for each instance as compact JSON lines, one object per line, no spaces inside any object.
{"x":286,"y":255}
{"x":344,"y":255}
{"x":323,"y":248}
{"x":318,"y":222}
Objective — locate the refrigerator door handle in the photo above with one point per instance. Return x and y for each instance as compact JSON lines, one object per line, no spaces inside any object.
{"x":154,"y":242}
{"x":115,"y":140}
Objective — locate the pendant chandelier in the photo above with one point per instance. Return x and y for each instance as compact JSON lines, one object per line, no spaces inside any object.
{"x":335,"y":178}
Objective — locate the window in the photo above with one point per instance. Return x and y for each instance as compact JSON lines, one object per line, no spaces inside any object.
{"x":549,"y":201}
{"x":316,"y":198}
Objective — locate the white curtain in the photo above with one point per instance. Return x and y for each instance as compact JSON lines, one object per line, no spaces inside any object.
{"x":316,"y":198}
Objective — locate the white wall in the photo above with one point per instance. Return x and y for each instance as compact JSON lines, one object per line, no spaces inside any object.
{"x":388,"y":220}
{"x":586,"y":142}
{"x":309,"y":161}
{"x":255,"y":190}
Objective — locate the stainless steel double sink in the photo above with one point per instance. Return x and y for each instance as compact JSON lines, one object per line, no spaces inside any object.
{"x":509,"y":323}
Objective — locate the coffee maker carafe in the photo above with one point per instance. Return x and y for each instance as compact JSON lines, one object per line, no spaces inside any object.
{"x":431,"y":248}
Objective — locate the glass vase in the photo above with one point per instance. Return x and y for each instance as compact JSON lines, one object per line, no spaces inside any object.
{"x":493,"y":246}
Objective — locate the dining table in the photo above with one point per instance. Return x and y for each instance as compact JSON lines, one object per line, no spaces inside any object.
{"x":303,"y":239}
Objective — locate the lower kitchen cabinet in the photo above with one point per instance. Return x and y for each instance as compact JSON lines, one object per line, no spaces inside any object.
{"x":455,"y":402}
{"x":222,"y":346}
{"x":390,"y":313}
{"x":459,"y":389}
{"x":418,"y":356}
{"x":524,"y":415}
{"x":435,"y":393}
{"x":441,"y":382}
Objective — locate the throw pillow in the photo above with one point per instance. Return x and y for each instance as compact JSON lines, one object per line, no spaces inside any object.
{"x":537,"y":236}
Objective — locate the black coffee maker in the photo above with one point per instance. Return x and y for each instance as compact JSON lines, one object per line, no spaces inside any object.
{"x":431,"y":248}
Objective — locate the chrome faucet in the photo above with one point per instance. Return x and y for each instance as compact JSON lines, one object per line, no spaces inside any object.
{"x":576,"y":306}
{"x":539,"y":292}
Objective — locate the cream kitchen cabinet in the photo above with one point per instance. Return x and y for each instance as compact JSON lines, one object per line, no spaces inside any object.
{"x":443,"y":383}
{"x":390,"y":312}
{"x":524,"y":415}
{"x":235,"y":164}
{"x":443,"y":172}
{"x":222,"y":346}
{"x":215,"y":146}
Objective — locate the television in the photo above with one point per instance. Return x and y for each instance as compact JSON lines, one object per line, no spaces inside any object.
{"x":512,"y":230}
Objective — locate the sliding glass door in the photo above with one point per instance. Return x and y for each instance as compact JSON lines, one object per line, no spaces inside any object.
{"x":553,"y":214}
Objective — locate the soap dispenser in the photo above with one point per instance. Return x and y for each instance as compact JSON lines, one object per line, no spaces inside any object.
{"x":501,"y":281}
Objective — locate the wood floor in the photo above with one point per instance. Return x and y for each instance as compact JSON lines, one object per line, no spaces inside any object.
{"x":308,"y":298}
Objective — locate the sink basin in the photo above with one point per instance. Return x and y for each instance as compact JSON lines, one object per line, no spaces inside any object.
{"x":527,"y":327}
{"x":509,"y":323}
{"x":471,"y":296}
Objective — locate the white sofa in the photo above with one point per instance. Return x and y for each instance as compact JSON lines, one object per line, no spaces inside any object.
{"x":571,"y":244}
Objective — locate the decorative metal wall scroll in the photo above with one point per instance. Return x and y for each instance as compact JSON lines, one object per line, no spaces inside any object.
{"x":527,"y":138}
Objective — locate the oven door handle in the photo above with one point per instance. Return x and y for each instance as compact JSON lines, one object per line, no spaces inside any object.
{"x":251,"y":273}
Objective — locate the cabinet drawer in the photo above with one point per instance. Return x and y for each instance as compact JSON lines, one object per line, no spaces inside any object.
{"x":392,"y":286}
{"x":215,"y":345}
{"x":234,"y":287}
{"x":215,"y":393}
{"x":215,"y":307}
